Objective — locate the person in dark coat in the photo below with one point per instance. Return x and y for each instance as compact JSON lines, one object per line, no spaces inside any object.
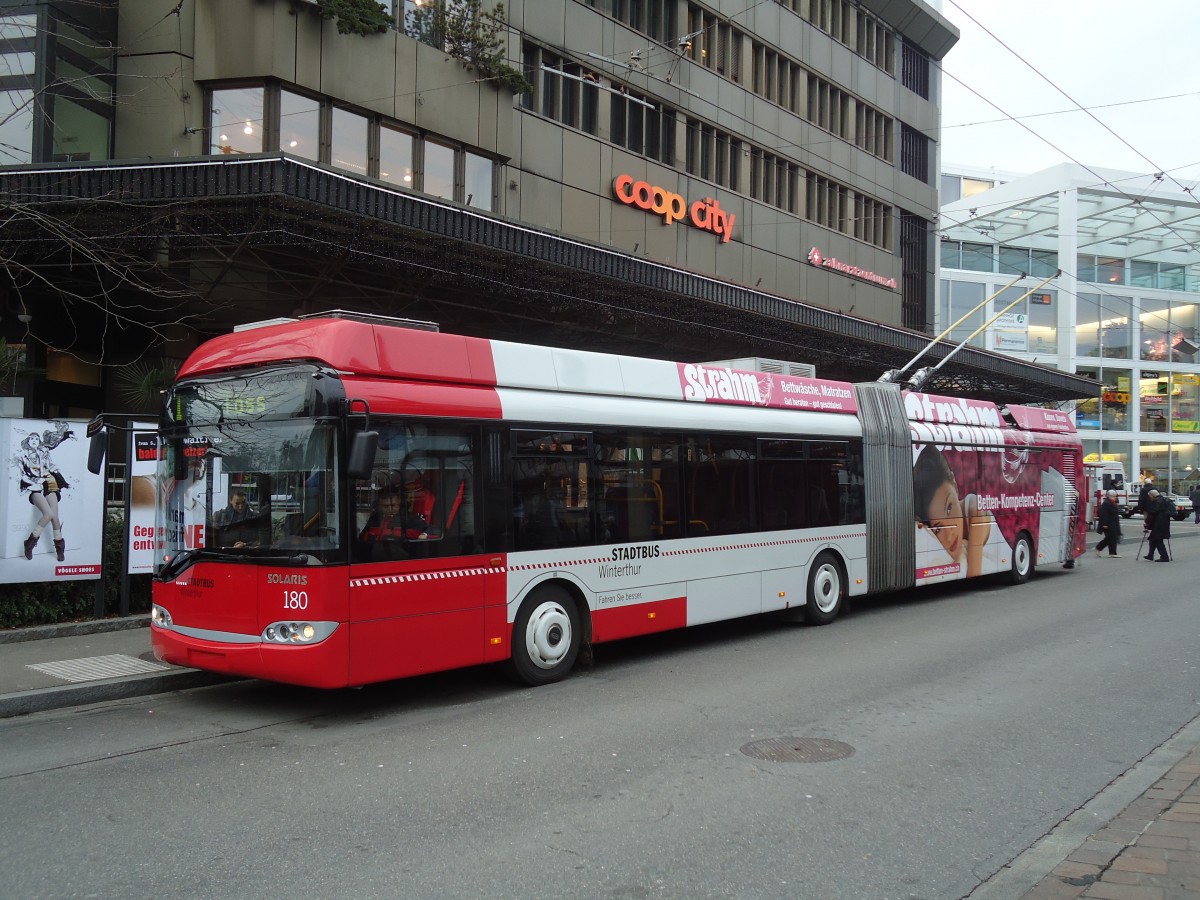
{"x":1194,"y":496}
{"x":1109,"y":516}
{"x":1158,"y":524}
{"x":1143,"y":505}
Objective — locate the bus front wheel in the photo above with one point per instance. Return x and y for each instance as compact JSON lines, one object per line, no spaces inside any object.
{"x":826,"y":590}
{"x":546,"y":637}
{"x":1022,"y":560}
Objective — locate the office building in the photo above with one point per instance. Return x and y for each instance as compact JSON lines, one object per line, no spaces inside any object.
{"x":675,"y":178}
{"x":1123,"y":311}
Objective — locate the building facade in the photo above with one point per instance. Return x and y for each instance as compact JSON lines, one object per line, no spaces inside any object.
{"x":677,"y":178}
{"x":1124,"y":310}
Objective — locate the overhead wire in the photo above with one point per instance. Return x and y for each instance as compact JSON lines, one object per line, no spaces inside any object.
{"x":1154,"y":166}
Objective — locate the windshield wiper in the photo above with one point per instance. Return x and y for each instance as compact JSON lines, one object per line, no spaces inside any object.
{"x":187,"y":557}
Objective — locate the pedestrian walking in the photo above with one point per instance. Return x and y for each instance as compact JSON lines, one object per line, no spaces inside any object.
{"x":1158,"y":525}
{"x":1109,"y":524}
{"x":1143,"y":505}
{"x":1194,"y":496}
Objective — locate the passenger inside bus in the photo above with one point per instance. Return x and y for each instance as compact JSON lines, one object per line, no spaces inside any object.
{"x":418,"y":502}
{"x":392,"y":520}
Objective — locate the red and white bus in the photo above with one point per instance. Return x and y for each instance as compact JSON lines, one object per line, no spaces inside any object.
{"x":346,"y":499}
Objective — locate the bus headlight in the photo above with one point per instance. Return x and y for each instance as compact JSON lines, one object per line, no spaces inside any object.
{"x":298,"y":632}
{"x":160,"y":617}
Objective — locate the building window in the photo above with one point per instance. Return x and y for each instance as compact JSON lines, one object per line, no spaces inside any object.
{"x":826,"y":203}
{"x":1149,"y":274}
{"x":876,"y":42}
{"x":775,"y":180}
{"x":914,"y":153}
{"x":1100,"y":269}
{"x":18,"y":65}
{"x":478,"y":180}
{"x":776,"y":78}
{"x":299,"y":125}
{"x":1170,"y":278}
{"x":236,"y":122}
{"x":653,"y":18}
{"x":641,"y":127}
{"x":835,"y":17}
{"x":421,"y":20}
{"x":16,"y":127}
{"x":348,"y":141}
{"x":1111,"y":410}
{"x":954,"y":187}
{"x":1185,"y":408}
{"x":1043,"y":321}
{"x":715,"y":44}
{"x":563,"y":90}
{"x":873,"y":132}
{"x":915,"y":70}
{"x":958,"y":299}
{"x":1039,"y":263}
{"x":712,"y":154}
{"x":1103,"y":326}
{"x":872,"y":221}
{"x":438,"y":171}
{"x":396,"y":157}
{"x":967,"y":255}
{"x":59,"y":106}
{"x":79,"y":99}
{"x":1110,"y":270}
{"x":916,"y":284}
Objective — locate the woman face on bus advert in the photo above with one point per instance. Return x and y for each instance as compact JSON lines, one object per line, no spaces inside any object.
{"x":939,"y":507}
{"x":956,"y":520}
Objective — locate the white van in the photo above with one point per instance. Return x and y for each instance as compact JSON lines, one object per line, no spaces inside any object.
{"x":1103,"y":477}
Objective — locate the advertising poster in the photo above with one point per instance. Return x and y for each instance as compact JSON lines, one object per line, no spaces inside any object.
{"x":184,"y":501}
{"x":143,"y":491}
{"x":52,"y":506}
{"x":972,"y":502}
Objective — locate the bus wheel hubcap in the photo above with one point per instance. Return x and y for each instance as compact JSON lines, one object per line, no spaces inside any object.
{"x":826,"y":588}
{"x":548,"y":635}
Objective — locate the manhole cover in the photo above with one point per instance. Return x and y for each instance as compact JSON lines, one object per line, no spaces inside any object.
{"x":798,"y":749}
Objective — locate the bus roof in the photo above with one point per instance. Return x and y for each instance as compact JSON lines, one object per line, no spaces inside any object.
{"x":378,"y":350}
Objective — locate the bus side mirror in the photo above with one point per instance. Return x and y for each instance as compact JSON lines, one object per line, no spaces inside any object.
{"x":362,"y":454}
{"x":181,"y":469}
{"x":96,"y":450}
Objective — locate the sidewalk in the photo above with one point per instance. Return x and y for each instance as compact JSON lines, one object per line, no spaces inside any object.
{"x":75,"y":663}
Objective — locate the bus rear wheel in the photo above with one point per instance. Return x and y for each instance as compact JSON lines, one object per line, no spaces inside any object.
{"x":1022,"y":560}
{"x":546,"y":637}
{"x":826,"y":590}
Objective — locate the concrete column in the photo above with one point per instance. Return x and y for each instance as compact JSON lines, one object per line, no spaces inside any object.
{"x":1068,"y":281}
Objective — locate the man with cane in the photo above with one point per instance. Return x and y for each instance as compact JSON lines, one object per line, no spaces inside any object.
{"x":1158,"y":526}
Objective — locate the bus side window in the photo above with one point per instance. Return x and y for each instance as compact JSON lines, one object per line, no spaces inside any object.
{"x":430,"y":469}
{"x":551,"y":502}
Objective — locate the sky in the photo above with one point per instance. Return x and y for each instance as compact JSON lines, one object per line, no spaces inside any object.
{"x":1134,"y":66}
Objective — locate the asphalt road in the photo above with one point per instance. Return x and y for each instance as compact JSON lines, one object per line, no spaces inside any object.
{"x":975,"y":721}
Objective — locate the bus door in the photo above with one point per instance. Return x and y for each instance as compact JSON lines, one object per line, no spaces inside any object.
{"x":420,"y":586}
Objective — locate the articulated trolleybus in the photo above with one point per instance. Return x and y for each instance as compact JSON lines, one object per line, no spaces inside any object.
{"x":346,"y":499}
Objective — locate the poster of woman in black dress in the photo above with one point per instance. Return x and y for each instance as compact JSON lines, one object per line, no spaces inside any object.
{"x":42,"y":482}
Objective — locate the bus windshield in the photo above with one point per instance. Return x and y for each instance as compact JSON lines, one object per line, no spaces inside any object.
{"x":252,"y":490}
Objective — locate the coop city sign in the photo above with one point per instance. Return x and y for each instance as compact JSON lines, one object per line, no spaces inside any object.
{"x":705,"y":214}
